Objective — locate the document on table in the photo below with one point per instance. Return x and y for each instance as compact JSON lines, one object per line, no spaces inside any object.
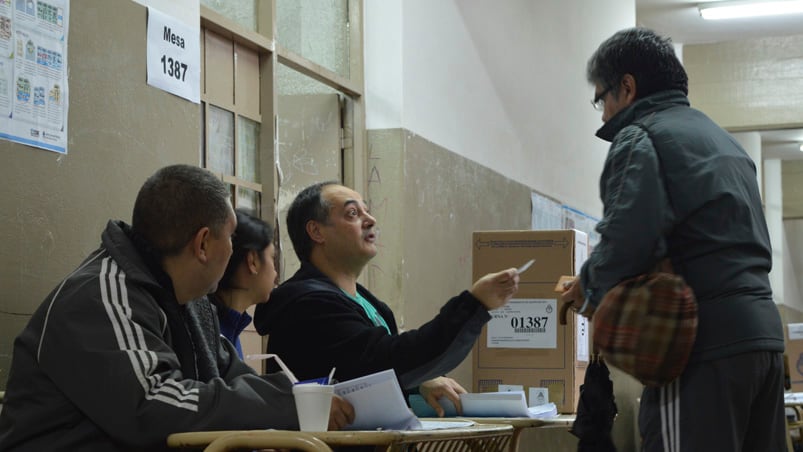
{"x":793,"y":397}
{"x":488,"y":404}
{"x":503,"y":404}
{"x":438,"y":425}
{"x":378,"y":403}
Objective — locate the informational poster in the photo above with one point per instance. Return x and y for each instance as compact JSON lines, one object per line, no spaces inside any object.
{"x":33,"y":72}
{"x":575,"y":219}
{"x":173,"y":56}
{"x":546,"y":214}
{"x":524,"y":323}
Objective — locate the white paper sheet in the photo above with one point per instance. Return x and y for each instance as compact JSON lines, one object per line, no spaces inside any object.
{"x":378,"y":403}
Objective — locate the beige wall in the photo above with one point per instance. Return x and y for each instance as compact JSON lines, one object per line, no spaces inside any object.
{"x":52,"y":206}
{"x":437,"y":70}
{"x":748,"y":85}
{"x":427,"y":202}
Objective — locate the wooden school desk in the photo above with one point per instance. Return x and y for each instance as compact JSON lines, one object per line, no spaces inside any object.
{"x":520,"y":423}
{"x":476,"y":438}
{"x":272,"y":439}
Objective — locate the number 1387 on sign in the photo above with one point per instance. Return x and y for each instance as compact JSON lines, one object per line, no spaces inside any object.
{"x":174,"y":68}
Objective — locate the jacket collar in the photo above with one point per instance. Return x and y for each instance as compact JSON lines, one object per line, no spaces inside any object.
{"x":310,"y":271}
{"x":306,"y":280}
{"x":640,"y":108}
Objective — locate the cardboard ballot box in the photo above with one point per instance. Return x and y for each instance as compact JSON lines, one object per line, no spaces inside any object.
{"x":794,"y":353}
{"x":523,"y":343}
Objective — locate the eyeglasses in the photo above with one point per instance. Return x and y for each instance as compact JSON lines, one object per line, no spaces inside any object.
{"x":599,"y":102}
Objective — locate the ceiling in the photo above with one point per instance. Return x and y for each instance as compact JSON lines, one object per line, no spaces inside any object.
{"x":680,"y":19}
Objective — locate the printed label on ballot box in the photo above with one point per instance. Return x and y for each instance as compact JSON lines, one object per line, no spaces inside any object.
{"x":524,"y":323}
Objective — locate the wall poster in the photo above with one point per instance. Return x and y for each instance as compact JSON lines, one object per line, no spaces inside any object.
{"x":33,"y":72}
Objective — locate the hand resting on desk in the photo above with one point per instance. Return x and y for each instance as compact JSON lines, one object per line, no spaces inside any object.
{"x":441,"y":390}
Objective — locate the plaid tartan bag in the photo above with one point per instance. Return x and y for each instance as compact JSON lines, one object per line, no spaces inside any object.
{"x":646,"y":327}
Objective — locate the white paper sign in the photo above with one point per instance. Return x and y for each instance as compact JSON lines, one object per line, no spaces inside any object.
{"x":538,"y":396}
{"x":795,"y":331}
{"x":524,"y":323}
{"x":174,"y":56}
{"x":510,"y":388}
{"x":582,"y":338}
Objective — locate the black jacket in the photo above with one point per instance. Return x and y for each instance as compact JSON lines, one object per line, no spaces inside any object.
{"x":111,"y":362}
{"x":313,"y":326}
{"x":676,"y":184}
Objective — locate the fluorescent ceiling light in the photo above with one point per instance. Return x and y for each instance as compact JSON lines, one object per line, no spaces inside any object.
{"x":801,"y":148}
{"x":735,"y":10}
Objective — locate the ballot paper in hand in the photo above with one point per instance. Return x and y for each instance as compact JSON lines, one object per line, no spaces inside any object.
{"x":378,"y":403}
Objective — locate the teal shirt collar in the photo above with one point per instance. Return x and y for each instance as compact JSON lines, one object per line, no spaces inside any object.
{"x":369,"y":309}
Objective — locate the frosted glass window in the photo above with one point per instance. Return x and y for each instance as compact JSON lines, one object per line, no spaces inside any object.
{"x":317,"y":30}
{"x":309,"y":128}
{"x":248,"y":200}
{"x":242,"y":12}
{"x":220,"y":158}
{"x":292,"y":82}
{"x":248,"y":150}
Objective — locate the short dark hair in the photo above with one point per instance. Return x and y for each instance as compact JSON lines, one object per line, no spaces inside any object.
{"x":308,"y":205}
{"x":640,"y":52}
{"x":175,"y":203}
{"x":252,"y":234}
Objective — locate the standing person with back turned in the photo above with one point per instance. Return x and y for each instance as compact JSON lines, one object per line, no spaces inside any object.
{"x":322,"y":318}
{"x":118,"y":357}
{"x":677,"y":185}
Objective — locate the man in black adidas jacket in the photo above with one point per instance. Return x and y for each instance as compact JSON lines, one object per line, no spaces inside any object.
{"x":118,"y":356}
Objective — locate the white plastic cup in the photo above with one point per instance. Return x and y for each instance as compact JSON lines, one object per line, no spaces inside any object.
{"x":313,"y":403}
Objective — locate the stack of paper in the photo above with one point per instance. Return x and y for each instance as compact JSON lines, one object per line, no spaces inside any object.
{"x":543,"y":411}
{"x":487,"y":404}
{"x":379,"y":405}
